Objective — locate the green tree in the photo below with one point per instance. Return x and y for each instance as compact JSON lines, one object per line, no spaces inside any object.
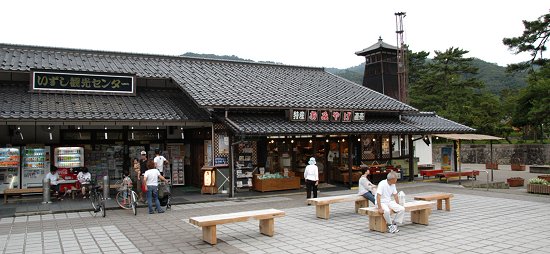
{"x":533,"y":102}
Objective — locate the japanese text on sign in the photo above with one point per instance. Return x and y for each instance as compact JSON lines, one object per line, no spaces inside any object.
{"x":82,"y":83}
{"x":327,"y":115}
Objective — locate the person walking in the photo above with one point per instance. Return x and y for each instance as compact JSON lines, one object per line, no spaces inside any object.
{"x":386,"y":189}
{"x":151,"y":177}
{"x":311,"y":175}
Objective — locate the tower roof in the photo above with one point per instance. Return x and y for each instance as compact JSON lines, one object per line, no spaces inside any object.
{"x":379,"y":45}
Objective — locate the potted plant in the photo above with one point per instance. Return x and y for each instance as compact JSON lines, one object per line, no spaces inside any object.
{"x":537,"y":185}
{"x":545,"y":177}
{"x":517,"y":166}
{"x":515,"y":181}
{"x":491,"y":165}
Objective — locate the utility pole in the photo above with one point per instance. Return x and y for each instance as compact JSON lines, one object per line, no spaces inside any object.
{"x":402,"y":73}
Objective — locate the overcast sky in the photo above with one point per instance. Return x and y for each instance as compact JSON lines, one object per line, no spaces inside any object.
{"x":324,"y":33}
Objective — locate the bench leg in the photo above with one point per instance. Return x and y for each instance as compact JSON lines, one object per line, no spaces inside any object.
{"x":439,"y":204}
{"x":447,"y":204}
{"x":361,"y":204}
{"x":421,"y":216}
{"x":209,"y":234}
{"x":322,"y":211}
{"x":267,"y":226}
{"x":377,"y":223}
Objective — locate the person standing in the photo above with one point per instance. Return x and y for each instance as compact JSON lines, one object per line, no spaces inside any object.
{"x":366,"y":188}
{"x":386,"y":188}
{"x":160,"y":161}
{"x":151,"y":177}
{"x":142,"y":169}
{"x":311,"y":175}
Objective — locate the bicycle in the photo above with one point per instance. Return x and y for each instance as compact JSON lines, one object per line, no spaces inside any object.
{"x":126,"y":198}
{"x":97,"y":199}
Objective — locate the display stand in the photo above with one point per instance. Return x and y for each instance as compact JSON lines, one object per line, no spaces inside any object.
{"x":244,"y":168}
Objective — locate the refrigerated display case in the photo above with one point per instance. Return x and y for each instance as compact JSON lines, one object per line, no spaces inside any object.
{"x":69,"y":157}
{"x":10,"y":162}
{"x":36,"y":164}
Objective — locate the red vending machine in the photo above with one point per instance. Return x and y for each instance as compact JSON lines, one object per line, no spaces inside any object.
{"x":67,"y":158}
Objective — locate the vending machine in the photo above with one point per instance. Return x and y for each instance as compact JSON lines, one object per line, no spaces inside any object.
{"x":10,"y":162}
{"x":65,"y":159}
{"x":36,"y":164}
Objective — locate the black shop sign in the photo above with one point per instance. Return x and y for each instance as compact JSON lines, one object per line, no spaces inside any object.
{"x":67,"y":82}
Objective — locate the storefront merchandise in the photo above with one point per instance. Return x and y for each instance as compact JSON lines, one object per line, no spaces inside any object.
{"x":9,"y":168}
{"x":36,"y":164}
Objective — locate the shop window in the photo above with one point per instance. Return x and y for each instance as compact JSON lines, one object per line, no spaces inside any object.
{"x":369,"y":147}
{"x":385,"y":139}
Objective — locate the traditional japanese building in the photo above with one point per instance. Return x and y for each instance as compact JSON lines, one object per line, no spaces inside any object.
{"x":247,"y":118}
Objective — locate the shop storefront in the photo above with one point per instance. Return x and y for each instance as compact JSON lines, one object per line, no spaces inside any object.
{"x":256,"y":123}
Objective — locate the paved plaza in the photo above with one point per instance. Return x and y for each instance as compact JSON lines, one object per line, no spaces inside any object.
{"x":480,"y":222}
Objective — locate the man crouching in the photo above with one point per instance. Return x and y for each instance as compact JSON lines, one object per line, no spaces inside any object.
{"x":386,"y":189}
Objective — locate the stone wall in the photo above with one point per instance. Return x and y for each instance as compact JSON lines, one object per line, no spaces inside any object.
{"x":503,"y":154}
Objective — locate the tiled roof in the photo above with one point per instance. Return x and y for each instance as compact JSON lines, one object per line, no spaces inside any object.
{"x":378,"y":45}
{"x":148,"y":105}
{"x":277,"y":123}
{"x":213,"y":83}
{"x":433,"y":123}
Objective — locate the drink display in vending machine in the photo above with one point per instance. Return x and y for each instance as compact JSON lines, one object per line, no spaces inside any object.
{"x":36,"y":164}
{"x":9,"y":168}
{"x":65,"y":159}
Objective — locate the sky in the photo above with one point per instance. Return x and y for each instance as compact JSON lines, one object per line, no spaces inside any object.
{"x":319,"y":33}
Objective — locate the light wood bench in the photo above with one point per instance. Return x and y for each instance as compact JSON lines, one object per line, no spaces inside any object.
{"x":209,"y":222}
{"x":322,"y":208}
{"x":439,"y":197}
{"x":19,"y":192}
{"x":420,"y":214}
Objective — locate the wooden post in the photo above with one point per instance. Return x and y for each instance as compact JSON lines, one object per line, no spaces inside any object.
{"x":411,"y":158}
{"x":322,"y":211}
{"x":447,"y":204}
{"x":350,"y":161}
{"x":209,"y":234}
{"x":267,"y":226}
{"x":421,"y":216}
{"x":361,"y":204}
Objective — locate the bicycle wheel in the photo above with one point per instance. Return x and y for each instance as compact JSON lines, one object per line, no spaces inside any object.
{"x":101,"y":204}
{"x":134,"y":202}
{"x":94,"y":200}
{"x":123,"y":200}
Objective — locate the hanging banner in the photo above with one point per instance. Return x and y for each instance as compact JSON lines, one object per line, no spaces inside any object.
{"x":83,"y":83}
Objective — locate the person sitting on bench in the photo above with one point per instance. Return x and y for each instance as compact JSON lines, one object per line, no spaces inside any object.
{"x":84,"y":177}
{"x":366,"y":188}
{"x":54,"y":185}
{"x":386,"y":188}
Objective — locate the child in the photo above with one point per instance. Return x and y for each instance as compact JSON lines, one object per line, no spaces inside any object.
{"x":126,"y":186}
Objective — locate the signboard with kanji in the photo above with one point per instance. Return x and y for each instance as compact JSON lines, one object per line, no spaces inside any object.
{"x":60,"y":82}
{"x":298,"y":115}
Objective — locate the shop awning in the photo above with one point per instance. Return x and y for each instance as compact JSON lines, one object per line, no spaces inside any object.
{"x":161,"y":106}
{"x":467,"y":136}
{"x":278,"y":124}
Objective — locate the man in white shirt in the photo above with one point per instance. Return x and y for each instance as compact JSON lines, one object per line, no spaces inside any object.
{"x":54,"y":184}
{"x":84,"y":177}
{"x":311,"y":175}
{"x":160,"y":161}
{"x":386,"y":189}
{"x":151,"y":177}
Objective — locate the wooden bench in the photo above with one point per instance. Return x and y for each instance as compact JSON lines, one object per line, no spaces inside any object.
{"x":468,"y":174}
{"x":209,"y":222}
{"x":420,"y":213}
{"x":439,"y":197}
{"x":322,"y":208}
{"x":430,"y":172}
{"x":19,"y":192}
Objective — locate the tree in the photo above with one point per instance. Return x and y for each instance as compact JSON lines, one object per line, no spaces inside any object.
{"x":443,"y":87}
{"x":533,"y":104}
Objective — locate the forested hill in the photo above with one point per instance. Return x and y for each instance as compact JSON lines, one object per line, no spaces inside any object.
{"x":495,"y":77}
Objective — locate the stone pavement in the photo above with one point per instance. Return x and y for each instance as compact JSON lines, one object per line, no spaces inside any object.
{"x":480,"y":222}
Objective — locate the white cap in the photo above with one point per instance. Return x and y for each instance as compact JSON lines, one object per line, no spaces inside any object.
{"x":312,"y":161}
{"x":143,"y":153}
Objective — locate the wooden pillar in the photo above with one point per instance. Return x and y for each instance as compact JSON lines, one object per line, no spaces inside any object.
{"x":411,"y":158}
{"x":350,"y":161}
